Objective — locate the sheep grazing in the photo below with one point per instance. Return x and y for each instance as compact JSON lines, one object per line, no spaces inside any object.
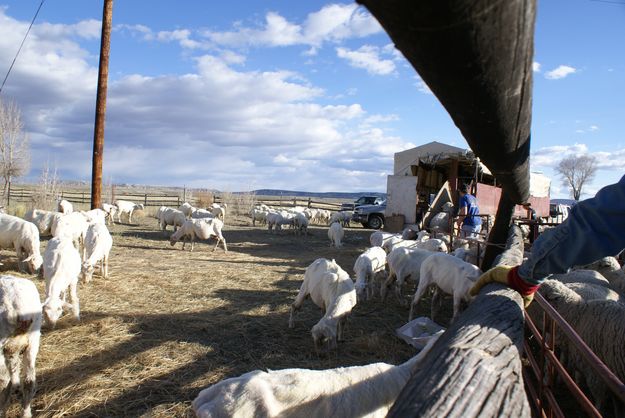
{"x":98,"y":244}
{"x":187,"y":209}
{"x":201,"y":229}
{"x":336,"y":234}
{"x":358,"y":391}
{"x":20,"y":332}
{"x":24,"y":237}
{"x":300,"y":224}
{"x":74,"y":226}
{"x":593,"y":320}
{"x":65,"y":207}
{"x":403,"y":263}
{"x":201,"y":213}
{"x":42,"y":219}
{"x":330,"y":288}
{"x":126,"y":207}
{"x":452,"y":275}
{"x":110,"y":211}
{"x":369,"y":267}
{"x":61,"y":267}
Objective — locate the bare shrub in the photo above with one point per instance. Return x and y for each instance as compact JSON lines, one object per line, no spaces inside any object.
{"x":44,"y":196}
{"x":204,"y":199}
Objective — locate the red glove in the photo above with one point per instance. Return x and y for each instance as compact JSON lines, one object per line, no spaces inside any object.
{"x":510,"y":277}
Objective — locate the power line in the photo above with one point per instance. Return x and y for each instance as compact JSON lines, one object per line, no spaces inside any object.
{"x":21,"y":45}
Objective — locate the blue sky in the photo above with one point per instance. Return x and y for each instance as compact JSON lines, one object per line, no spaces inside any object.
{"x":294,"y":95}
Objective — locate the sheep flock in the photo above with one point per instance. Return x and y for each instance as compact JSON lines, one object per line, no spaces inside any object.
{"x":172,"y":311}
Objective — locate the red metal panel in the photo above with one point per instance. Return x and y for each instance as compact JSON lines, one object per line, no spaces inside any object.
{"x":488,"y":200}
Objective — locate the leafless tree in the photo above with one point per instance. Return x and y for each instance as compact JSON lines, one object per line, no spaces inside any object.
{"x":14,"y":144}
{"x":576,"y":171}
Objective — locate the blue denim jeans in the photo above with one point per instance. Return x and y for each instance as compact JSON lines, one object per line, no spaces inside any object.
{"x":470,"y":231}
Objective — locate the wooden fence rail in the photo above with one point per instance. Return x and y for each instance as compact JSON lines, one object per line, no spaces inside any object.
{"x":24,"y":195}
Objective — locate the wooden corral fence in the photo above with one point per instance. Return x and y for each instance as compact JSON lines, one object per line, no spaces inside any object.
{"x":26,"y":195}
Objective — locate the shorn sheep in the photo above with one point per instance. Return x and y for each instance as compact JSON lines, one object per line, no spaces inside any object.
{"x":358,"y":391}
{"x":126,"y":207}
{"x":65,"y":207}
{"x":403,"y":263}
{"x":42,"y":219}
{"x":330,"y":288}
{"x":369,"y":267}
{"x":452,"y":275}
{"x":24,"y":237}
{"x":202,"y":229}
{"x":20,"y":331}
{"x":98,"y":244}
{"x":335,"y":234}
{"x":110,"y":211}
{"x":61,"y":267}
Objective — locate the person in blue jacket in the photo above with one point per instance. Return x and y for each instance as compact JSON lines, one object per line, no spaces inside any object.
{"x":594,"y":229}
{"x":469,"y":222}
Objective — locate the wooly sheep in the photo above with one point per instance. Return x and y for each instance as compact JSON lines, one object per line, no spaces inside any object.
{"x":24,"y":237}
{"x":202,"y":229}
{"x":336,"y":234}
{"x":20,"y":332}
{"x":358,"y":391}
{"x":98,"y":244}
{"x":611,"y":269}
{"x":600,"y":324}
{"x":369,"y":267}
{"x":127,"y":207}
{"x":450,"y":274}
{"x":440,"y":221}
{"x":61,"y":267}
{"x":65,"y":207}
{"x":42,"y":219}
{"x":202,"y":213}
{"x":110,"y":211}
{"x":344,"y":218}
{"x":330,"y":288}
{"x":403,"y":262}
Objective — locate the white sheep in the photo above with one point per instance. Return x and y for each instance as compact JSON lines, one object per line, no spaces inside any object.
{"x":201,"y":213}
{"x":452,"y":275}
{"x":611,"y":269}
{"x":403,"y":263}
{"x":275,"y":220}
{"x":42,"y":219}
{"x":344,"y":218}
{"x":440,"y":221}
{"x":98,"y":244}
{"x":170,"y":216}
{"x":61,"y":267}
{"x":600,"y":324}
{"x":73,"y":225}
{"x":377,"y":238}
{"x":300,"y":224}
{"x":187,"y":209}
{"x":202,"y":229}
{"x":336,"y":234}
{"x":65,"y":207}
{"x":127,"y":207}
{"x":219,"y":212}
{"x":357,"y":391}
{"x":330,"y":288}
{"x":20,"y":332}
{"x":110,"y":211}
{"x":258,"y":215}
{"x":24,"y":237}
{"x":369,"y":267}
{"x":94,"y":216}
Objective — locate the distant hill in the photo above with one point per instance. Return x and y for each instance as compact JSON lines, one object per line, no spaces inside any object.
{"x":568,"y":202}
{"x":326,"y":195}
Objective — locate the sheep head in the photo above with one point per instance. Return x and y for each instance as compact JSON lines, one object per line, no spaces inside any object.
{"x":324,"y":336}
{"x":87,"y":271}
{"x":52,"y":310}
{"x":34,"y":262}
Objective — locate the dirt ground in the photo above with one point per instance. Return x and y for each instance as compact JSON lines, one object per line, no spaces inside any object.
{"x":168,"y":323}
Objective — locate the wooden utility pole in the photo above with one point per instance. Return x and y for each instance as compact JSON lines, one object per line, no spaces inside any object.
{"x":100,"y":106}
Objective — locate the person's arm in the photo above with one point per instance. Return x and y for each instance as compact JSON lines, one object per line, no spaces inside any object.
{"x":462,"y":212}
{"x":594,"y":229}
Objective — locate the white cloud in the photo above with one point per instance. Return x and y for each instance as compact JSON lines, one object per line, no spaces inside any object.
{"x":213,"y":127}
{"x":368,"y":58}
{"x":551,"y":156}
{"x":560,"y":72}
{"x":536,"y":67}
{"x":593,"y":128}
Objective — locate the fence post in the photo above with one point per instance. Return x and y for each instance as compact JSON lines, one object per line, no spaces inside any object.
{"x":145,"y":200}
{"x":9,"y":195}
{"x":184,"y":193}
{"x":83,"y":198}
{"x":309,"y":203}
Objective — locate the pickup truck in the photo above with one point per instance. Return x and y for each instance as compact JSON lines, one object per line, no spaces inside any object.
{"x":362,"y":200}
{"x":370,"y":216}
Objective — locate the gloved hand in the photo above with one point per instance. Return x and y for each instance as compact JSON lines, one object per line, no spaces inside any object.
{"x":509,"y":276}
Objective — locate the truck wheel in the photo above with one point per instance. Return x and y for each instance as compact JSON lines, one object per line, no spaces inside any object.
{"x":375,"y":222}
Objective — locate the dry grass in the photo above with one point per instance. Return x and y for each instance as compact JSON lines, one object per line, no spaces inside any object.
{"x":169,"y":323}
